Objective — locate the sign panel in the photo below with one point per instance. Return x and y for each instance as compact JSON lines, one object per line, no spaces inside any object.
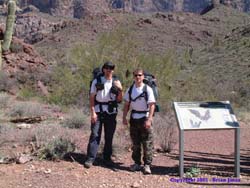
{"x":205,"y":115}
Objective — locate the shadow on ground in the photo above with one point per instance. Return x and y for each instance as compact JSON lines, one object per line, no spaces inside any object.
{"x":215,"y":164}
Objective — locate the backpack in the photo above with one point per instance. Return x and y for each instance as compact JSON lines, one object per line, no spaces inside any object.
{"x":149,"y":80}
{"x":96,"y":74}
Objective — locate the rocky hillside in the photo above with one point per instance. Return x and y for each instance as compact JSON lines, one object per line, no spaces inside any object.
{"x":189,"y":38}
{"x":80,"y":8}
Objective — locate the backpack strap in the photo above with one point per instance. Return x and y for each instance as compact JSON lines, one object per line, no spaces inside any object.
{"x":130,"y":92}
{"x":143,"y":94}
{"x":99,"y":79}
{"x":114,"y":103}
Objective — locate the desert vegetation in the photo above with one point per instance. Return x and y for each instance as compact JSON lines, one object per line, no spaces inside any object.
{"x":193,"y":57}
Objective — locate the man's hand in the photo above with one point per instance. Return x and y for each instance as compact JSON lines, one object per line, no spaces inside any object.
{"x":148,"y":123}
{"x":125,"y":121}
{"x":93,"y":117}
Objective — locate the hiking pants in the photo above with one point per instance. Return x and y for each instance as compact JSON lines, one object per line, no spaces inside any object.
{"x":141,"y":138}
{"x":108,"y":121}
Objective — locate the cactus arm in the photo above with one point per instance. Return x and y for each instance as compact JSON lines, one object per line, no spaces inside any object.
{"x":9,"y":25}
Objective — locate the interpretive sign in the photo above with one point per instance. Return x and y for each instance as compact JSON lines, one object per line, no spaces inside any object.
{"x":206,"y":116}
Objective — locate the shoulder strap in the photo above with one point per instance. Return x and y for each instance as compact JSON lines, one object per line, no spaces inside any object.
{"x":99,"y":79}
{"x":143,"y":94}
{"x":130,"y":92}
{"x":145,"y":91}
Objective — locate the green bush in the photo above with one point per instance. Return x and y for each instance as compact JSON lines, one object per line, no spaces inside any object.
{"x":67,"y":87}
{"x":27,"y":93}
{"x":193,"y":171}
{"x":71,"y":80}
{"x":56,"y":149}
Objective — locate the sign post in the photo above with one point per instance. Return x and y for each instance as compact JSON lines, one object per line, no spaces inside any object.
{"x":206,"y":116}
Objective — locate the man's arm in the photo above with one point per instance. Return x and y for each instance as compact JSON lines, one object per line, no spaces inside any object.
{"x":125,"y":112}
{"x":120,"y":94}
{"x":92,"y":108}
{"x":149,"y":120}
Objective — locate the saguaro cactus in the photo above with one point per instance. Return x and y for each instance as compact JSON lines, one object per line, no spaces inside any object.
{"x":9,"y":25}
{"x":9,"y":29}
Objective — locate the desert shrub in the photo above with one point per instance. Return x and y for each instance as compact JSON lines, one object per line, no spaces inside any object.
{"x":193,"y":171}
{"x":121,"y":142}
{"x":56,"y":149}
{"x":27,"y":93}
{"x":71,"y":79}
{"x":242,"y":114}
{"x":165,"y":131}
{"x":218,"y":73}
{"x":27,"y":109}
{"x":67,"y":86}
{"x":4,"y":99}
{"x":194,"y":87}
{"x":75,"y":120}
{"x":165,"y":70}
{"x":5,"y":82}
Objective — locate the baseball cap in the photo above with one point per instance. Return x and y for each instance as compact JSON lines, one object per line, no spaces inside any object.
{"x":108,"y":64}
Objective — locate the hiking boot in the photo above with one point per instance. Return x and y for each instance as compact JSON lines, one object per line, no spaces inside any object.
{"x":135,"y":167}
{"x":88,"y":164}
{"x":146,"y":169}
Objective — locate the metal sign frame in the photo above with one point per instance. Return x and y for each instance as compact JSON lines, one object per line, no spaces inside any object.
{"x":230,"y":123}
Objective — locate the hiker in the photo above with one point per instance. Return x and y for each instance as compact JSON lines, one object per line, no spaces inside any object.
{"x":140,"y":98}
{"x":105,"y":93}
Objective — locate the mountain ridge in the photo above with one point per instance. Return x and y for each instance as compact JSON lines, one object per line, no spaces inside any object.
{"x":81,"y":8}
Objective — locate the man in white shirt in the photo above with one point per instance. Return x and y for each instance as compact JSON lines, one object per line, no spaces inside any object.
{"x":105,"y":93}
{"x":140,"y":98}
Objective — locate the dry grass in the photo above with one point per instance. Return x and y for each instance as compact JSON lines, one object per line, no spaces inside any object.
{"x":4,"y":99}
{"x":165,"y":131}
{"x":76,"y":119}
{"x":26,"y":109}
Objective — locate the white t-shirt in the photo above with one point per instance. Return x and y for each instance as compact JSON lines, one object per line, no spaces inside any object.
{"x":140,"y":104}
{"x":103,"y":95}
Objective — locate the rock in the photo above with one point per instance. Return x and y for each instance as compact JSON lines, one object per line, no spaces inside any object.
{"x":3,"y":160}
{"x":43,"y":88}
{"x":24,"y":126}
{"x":23,"y":159}
{"x":30,"y":8}
{"x":135,"y":185}
{"x":47,"y":171}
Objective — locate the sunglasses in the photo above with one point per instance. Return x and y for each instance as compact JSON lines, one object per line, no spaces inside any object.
{"x":135,"y":75}
{"x":109,"y":67}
